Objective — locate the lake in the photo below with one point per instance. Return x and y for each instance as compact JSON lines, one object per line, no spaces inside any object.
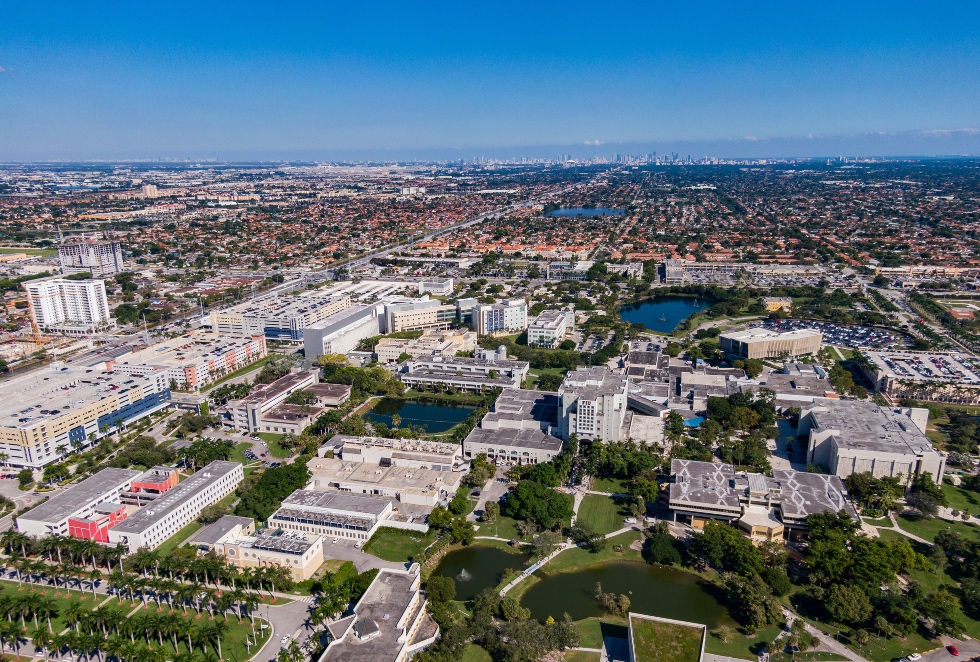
{"x":476,"y":568}
{"x":663,"y":314}
{"x":433,"y":415}
{"x":653,"y":590}
{"x":572,"y":212}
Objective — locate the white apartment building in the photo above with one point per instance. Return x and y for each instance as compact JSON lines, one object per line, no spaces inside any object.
{"x":98,"y":258}
{"x":153,"y":524}
{"x":549,"y":328}
{"x":508,"y":316}
{"x":72,"y":307}
{"x":593,"y":404}
{"x":77,"y":502}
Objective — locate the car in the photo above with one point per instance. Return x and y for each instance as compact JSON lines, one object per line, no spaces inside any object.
{"x":357,"y":545}
{"x":335,"y":541}
{"x":912,"y":657}
{"x":285,"y":639}
{"x":952,"y":650}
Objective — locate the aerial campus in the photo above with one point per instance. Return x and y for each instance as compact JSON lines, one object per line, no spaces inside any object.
{"x":511,"y":332}
{"x":499,"y":409}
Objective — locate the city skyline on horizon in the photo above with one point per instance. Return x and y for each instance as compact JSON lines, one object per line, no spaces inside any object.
{"x":338,"y":82}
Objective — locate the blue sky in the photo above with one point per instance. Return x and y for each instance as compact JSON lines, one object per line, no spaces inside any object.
{"x":334,"y":80}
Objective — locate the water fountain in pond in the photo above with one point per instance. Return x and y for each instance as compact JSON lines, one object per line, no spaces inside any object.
{"x":464,"y":576}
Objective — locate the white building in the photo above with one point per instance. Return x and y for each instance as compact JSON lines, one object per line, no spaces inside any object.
{"x":73,"y":307}
{"x":442,"y":287}
{"x":77,"y":502}
{"x":279,"y":317}
{"x":439,"y":343}
{"x":849,"y":436}
{"x":421,"y":314}
{"x":249,"y":412}
{"x":466,"y":374}
{"x":332,"y":514}
{"x":508,"y":316}
{"x":153,"y":524}
{"x":593,"y":404}
{"x":339,"y":333}
{"x":98,"y":258}
{"x":549,"y":328}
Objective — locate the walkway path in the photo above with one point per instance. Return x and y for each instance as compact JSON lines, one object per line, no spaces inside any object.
{"x":828,"y":642}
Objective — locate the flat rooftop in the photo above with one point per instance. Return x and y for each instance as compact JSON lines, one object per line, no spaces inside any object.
{"x":356,"y":503}
{"x":548,"y":320}
{"x":285,"y":543}
{"x":212,"y":533}
{"x":284,"y":384}
{"x":286,"y":305}
{"x":517,"y":404}
{"x":146,"y":517}
{"x":514,"y":438}
{"x":406,"y":445}
{"x":593,"y":383}
{"x":759,"y":334}
{"x":333,"y":472}
{"x":189,"y":348}
{"x":868,"y":426}
{"x":704,"y":482}
{"x":450,"y":363}
{"x":63,"y":505}
{"x":56,"y":390}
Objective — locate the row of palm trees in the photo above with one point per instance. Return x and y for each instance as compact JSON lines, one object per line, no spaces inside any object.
{"x":109,"y":633}
{"x":74,"y":560}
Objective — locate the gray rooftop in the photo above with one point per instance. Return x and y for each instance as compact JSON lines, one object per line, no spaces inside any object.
{"x":513,"y":438}
{"x":62,"y":506}
{"x":337,"y":501}
{"x":868,"y":426}
{"x":518,"y":404}
{"x":212,"y":533}
{"x":379,"y":609}
{"x":146,"y":517}
{"x":804,"y":494}
{"x":592,"y":383}
{"x":703,"y":482}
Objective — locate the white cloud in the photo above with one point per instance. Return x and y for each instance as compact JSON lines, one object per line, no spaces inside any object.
{"x":3,"y":70}
{"x":594,"y":143}
{"x":949,"y":132}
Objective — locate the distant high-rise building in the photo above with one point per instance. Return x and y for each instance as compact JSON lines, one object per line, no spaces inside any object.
{"x":150,"y":191}
{"x":98,"y":258}
{"x":75,"y":307}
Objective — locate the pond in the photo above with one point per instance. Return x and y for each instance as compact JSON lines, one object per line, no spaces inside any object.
{"x":476,"y":568}
{"x":586,"y":212}
{"x":432,"y":414}
{"x":663,"y":314}
{"x":653,"y":590}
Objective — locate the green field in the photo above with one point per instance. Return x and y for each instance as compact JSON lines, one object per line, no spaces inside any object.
{"x":962,"y":500}
{"x":739,"y":645}
{"x":39,"y":252}
{"x":501,"y":527}
{"x":578,"y":557}
{"x":275,"y":450}
{"x":238,"y":373}
{"x":398,"y":545}
{"x":601,"y":513}
{"x":657,"y":641}
{"x":581,"y":656}
{"x":928,"y":528}
{"x":177,"y":539}
{"x":611,"y":485}
{"x":474,"y":653}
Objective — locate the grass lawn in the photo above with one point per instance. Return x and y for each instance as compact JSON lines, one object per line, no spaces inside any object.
{"x":502,"y":527}
{"x":601,"y":513}
{"x":474,"y":653}
{"x":612,"y":485}
{"x":657,"y":641}
{"x":928,"y":528}
{"x":810,"y":655}
{"x":272,"y":439}
{"x":578,"y":557}
{"x":177,"y":539}
{"x":40,"y":252}
{"x":739,"y":645}
{"x":398,"y":545}
{"x":581,"y":656}
{"x":960,"y":499}
{"x":238,"y":453}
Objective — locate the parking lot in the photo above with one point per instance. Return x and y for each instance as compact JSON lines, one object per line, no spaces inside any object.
{"x":842,"y":335}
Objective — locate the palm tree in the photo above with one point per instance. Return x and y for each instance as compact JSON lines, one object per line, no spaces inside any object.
{"x":41,"y":640}
{"x":73,"y":614}
{"x":215,"y":631}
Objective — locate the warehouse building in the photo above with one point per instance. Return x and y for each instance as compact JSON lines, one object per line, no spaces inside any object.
{"x":150,"y":526}
{"x":46,"y":412}
{"x":194,"y":359}
{"x":761,"y":343}
{"x":850,"y":436}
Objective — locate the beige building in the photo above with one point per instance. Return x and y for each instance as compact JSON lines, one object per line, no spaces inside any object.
{"x":772,"y":304}
{"x":410,"y":453}
{"x":409,"y":485}
{"x":234,"y":538}
{"x":761,"y":343}
{"x":415,"y":315}
{"x":431,"y":343}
